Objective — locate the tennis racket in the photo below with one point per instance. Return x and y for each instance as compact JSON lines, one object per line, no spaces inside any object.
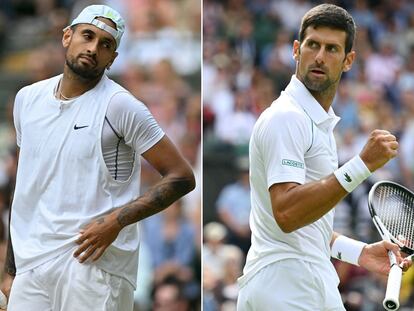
{"x":3,"y":301}
{"x":392,"y":210}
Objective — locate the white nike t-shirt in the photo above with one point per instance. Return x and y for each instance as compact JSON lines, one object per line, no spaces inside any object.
{"x":63,"y":182}
{"x":292,"y":141}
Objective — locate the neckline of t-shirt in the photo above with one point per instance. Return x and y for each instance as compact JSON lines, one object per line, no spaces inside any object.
{"x":70,"y":100}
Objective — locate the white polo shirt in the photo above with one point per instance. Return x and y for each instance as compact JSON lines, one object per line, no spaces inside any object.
{"x":292,"y":141}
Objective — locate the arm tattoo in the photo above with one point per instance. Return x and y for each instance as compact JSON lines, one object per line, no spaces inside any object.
{"x":157,"y":198}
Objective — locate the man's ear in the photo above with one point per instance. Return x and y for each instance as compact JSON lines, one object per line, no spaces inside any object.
{"x":296,"y":50}
{"x":110,"y":63}
{"x":67,"y":37}
{"x":349,"y":60}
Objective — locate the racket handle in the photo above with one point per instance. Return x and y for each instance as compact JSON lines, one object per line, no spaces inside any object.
{"x":391,"y":301}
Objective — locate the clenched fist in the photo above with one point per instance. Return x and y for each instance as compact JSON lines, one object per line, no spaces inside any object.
{"x":381,"y":147}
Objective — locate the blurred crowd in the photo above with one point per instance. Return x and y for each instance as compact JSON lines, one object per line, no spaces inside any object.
{"x":247,"y":61}
{"x":159,"y":62}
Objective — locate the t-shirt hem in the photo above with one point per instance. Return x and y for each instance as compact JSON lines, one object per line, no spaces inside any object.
{"x":152,"y":143}
{"x":44,"y":259}
{"x":282,"y":178}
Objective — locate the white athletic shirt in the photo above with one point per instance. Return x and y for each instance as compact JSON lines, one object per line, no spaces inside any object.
{"x":63,"y":182}
{"x":292,"y":141}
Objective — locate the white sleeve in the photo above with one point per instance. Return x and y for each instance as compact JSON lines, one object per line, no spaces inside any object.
{"x":284,"y":140}
{"x":18,"y":102}
{"x":133,"y":121}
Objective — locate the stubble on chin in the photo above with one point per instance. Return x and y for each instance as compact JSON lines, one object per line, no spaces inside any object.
{"x":83,"y":71}
{"x":316,"y":86}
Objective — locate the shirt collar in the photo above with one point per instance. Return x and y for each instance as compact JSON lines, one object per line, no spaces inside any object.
{"x":297,"y":90}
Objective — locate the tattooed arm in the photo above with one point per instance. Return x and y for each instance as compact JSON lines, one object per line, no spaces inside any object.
{"x":177,"y":180}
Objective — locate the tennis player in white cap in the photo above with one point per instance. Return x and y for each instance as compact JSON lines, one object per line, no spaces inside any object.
{"x":77,"y":203}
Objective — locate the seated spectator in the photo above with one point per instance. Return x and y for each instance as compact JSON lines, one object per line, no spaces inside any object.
{"x":169,"y":236}
{"x":233,"y":206}
{"x":169,"y":296}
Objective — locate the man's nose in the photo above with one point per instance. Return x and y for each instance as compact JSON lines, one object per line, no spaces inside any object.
{"x":320,"y":56}
{"x":93,"y":47}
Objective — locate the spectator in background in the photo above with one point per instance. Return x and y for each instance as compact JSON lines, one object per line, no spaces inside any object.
{"x":382,"y":69}
{"x":277,"y":59}
{"x":237,"y":127}
{"x":170,"y":237}
{"x":229,"y":288}
{"x":245,"y":43}
{"x":347,"y":108}
{"x":169,"y":296}
{"x":233,"y":206}
{"x":290,"y":12}
{"x":215,"y":248}
{"x":407,"y":141}
{"x":222,"y":266}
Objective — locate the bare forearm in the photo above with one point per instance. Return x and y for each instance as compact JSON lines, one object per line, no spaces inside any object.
{"x":157,"y":198}
{"x":301,"y":205}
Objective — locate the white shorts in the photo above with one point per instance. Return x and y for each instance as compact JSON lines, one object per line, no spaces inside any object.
{"x":292,"y":285}
{"x":64,"y":284}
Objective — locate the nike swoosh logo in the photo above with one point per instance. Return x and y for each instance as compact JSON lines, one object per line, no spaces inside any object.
{"x":79,"y":127}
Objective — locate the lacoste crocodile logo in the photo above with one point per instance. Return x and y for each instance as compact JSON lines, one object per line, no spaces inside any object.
{"x":347,"y":177}
{"x":79,"y":127}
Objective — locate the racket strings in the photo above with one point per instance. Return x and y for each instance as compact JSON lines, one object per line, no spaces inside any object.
{"x":394,"y":208}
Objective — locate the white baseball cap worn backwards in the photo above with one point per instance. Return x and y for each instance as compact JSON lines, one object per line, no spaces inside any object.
{"x":90,"y":14}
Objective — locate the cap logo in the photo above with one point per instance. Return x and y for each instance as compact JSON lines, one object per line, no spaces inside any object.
{"x":111,"y":16}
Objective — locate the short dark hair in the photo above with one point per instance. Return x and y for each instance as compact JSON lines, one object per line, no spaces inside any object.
{"x":332,"y":16}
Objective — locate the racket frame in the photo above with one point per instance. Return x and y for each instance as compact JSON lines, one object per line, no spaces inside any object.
{"x":391,"y":300}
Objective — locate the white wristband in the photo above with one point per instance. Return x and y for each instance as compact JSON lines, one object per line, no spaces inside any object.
{"x":352,"y":173}
{"x":346,"y":249}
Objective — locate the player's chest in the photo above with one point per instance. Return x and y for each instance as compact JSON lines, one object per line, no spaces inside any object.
{"x":321,"y":159}
{"x":71,"y":132}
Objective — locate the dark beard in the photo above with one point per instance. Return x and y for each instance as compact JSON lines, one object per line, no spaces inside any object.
{"x":317,"y":86}
{"x":83,"y":72}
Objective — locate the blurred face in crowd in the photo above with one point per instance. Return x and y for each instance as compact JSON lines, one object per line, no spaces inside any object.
{"x":321,"y":58}
{"x":166,"y":299}
{"x":90,"y":50}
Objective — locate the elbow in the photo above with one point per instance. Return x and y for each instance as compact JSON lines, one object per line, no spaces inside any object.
{"x":189,"y":180}
{"x":284,"y":221}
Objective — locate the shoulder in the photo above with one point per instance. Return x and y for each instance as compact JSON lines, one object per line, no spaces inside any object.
{"x":124,"y":102}
{"x":37,"y":88}
{"x":119,"y":96}
{"x":283,"y":123}
{"x":114,"y":88}
{"x":284,"y":113}
{"x":43,"y":84}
